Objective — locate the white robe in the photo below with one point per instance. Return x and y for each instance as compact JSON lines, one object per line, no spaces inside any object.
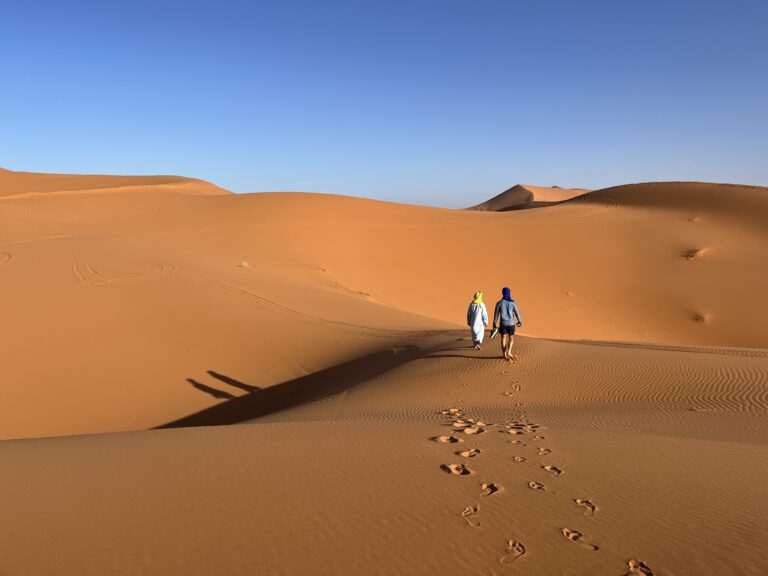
{"x":478,"y":321}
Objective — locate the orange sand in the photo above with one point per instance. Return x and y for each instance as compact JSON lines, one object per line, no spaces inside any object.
{"x":331,"y":330}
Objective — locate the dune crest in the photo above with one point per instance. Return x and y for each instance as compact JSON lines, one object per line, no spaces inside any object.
{"x":18,"y":183}
{"x":528,"y":196}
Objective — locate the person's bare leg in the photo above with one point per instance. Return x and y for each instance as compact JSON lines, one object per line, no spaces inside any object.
{"x":504,"y":345}
{"x":508,"y":352}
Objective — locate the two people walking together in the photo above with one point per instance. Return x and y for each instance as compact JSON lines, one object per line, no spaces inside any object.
{"x":506,"y":313}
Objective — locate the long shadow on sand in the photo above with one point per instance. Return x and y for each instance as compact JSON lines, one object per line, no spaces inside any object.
{"x":263,"y":401}
{"x":497,"y":357}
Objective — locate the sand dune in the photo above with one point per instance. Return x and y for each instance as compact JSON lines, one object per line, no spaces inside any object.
{"x":528,"y":196}
{"x":629,"y":433}
{"x":16,"y":183}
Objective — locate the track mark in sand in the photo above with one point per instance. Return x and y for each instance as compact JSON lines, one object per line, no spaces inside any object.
{"x":167,"y":268}
{"x":552,"y":469}
{"x":470,"y":511}
{"x":694,"y":253}
{"x":638,"y":568}
{"x":512,"y":431}
{"x":471,"y":453}
{"x":578,"y":538}
{"x":518,"y":443}
{"x":519,"y":458}
{"x":446,"y":439}
{"x":537,"y":486}
{"x":544,"y":452}
{"x":474,"y":430}
{"x":515,"y":549}
{"x":5,"y":257}
{"x":458,"y":469}
{"x":489,"y":488}
{"x":589,"y":507}
{"x":538,"y":438}
{"x":83,"y":271}
{"x":700,"y":318}
{"x":87,"y":276}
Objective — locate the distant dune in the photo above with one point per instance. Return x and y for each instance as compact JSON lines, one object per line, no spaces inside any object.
{"x":528,"y":196}
{"x":15,"y":183}
{"x":376,"y":439}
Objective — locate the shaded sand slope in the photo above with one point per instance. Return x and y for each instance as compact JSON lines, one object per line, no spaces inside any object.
{"x":665,"y":470}
{"x":528,"y":196}
{"x":130,"y":300}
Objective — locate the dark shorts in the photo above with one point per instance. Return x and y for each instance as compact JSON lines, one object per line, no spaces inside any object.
{"x":507,"y":330}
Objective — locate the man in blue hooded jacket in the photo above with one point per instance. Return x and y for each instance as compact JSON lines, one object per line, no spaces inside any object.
{"x":507,"y":312}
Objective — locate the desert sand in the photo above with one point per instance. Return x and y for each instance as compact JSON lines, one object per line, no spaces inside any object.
{"x":200,"y":382}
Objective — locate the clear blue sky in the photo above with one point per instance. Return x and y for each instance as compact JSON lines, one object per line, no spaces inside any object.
{"x":443,"y":102}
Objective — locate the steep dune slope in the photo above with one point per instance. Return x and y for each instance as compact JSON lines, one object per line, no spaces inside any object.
{"x":528,"y":196}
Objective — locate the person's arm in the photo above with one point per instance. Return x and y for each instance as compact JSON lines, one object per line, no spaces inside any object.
{"x":485,"y":314}
{"x":517,"y":314}
{"x":496,"y":313}
{"x":469,"y":315}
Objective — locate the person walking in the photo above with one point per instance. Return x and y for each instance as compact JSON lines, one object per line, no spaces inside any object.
{"x":477,"y":319}
{"x":508,"y":315}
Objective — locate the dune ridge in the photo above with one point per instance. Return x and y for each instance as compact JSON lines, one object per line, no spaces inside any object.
{"x":528,"y":196}
{"x":303,"y":363}
{"x":19,"y":183}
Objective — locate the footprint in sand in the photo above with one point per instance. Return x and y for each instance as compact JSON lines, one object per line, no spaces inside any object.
{"x":578,"y":538}
{"x":588,"y":505}
{"x":515,"y":549}
{"x":489,"y":488}
{"x":471,"y":453}
{"x":474,"y":430}
{"x":544,"y":451}
{"x":511,"y":431}
{"x":519,"y":458}
{"x":538,"y":437}
{"x":638,"y":568}
{"x":537,"y":486}
{"x":553,"y":469}
{"x":518,"y":443}
{"x":470,"y":511}
{"x":446,"y":439}
{"x":458,"y":469}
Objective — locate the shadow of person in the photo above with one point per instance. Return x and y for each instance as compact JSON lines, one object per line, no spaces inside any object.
{"x":215,"y":392}
{"x":232,"y":382}
{"x":321,"y":384}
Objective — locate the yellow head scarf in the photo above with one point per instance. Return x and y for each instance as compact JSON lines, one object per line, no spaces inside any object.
{"x":478,"y":297}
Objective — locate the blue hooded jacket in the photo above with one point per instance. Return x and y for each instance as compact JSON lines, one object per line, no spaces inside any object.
{"x":507,"y":310}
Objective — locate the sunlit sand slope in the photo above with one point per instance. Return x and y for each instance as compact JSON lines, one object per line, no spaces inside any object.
{"x":576,"y":459}
{"x":131,"y":302}
{"x":528,"y":196}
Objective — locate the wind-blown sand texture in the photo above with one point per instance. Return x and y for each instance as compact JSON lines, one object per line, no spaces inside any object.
{"x":321,"y":410}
